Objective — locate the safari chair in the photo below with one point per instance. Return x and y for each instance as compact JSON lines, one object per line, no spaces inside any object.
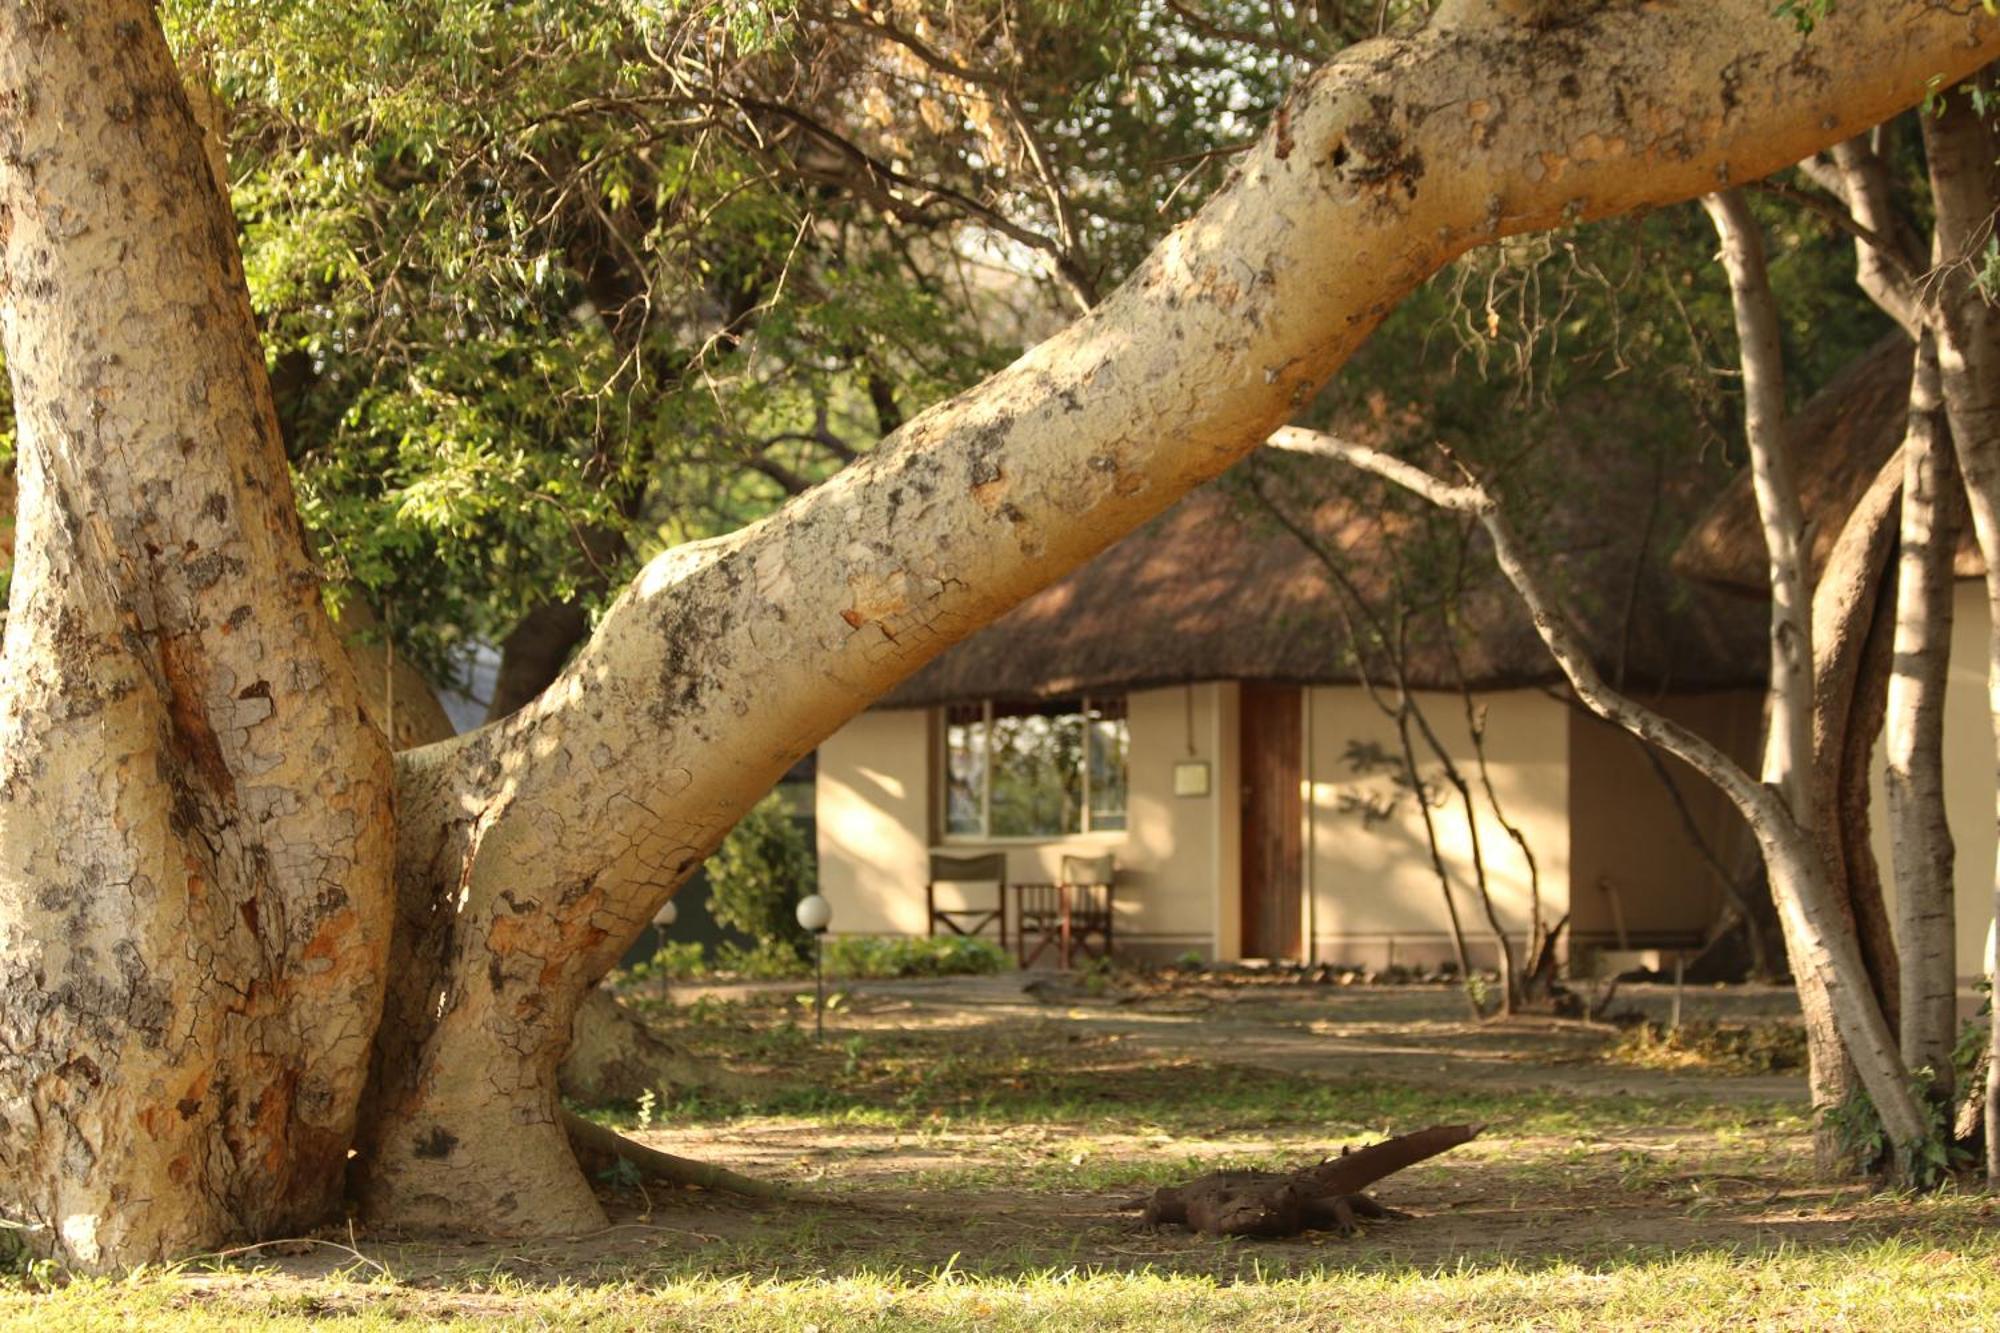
{"x":1089,"y":883}
{"x":970,"y":918}
{"x":1071,"y":915}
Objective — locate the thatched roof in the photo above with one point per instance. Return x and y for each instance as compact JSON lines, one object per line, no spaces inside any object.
{"x":1839,"y":440}
{"x":1215,"y":590}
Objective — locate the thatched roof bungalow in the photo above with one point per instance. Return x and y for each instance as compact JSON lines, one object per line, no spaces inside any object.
{"x":1194,"y":702}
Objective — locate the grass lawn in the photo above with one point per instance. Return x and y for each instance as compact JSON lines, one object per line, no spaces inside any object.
{"x":978,"y":1143}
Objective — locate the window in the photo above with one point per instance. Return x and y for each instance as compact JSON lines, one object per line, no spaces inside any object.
{"x":1034,"y":770}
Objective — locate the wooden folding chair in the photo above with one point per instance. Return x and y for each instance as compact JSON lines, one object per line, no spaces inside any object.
{"x":964,"y":870}
{"x":1088,"y":883}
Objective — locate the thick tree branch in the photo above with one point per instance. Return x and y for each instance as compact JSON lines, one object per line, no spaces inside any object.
{"x":535,"y":849}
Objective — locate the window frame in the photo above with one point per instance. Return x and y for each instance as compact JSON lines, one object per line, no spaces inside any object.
{"x":941,"y":753}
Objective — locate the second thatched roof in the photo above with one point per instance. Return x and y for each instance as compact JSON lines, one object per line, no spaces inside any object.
{"x":1839,"y":441}
{"x":1214,"y":589}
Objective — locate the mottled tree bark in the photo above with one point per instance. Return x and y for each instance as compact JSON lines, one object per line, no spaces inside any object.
{"x":195,"y":829}
{"x":1851,"y":640}
{"x":182,"y":1051}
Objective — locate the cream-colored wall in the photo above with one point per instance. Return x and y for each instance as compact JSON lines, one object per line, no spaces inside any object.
{"x":876,"y":814}
{"x":1968,"y":778}
{"x":1630,"y":855}
{"x":1369,"y":885}
{"x":872,"y":806}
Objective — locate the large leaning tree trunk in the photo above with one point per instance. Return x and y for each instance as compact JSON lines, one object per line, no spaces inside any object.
{"x":193,"y":908}
{"x":195,"y":824}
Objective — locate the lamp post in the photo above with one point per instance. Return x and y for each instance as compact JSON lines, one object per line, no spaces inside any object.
{"x":663,"y":918}
{"x":815,"y":914}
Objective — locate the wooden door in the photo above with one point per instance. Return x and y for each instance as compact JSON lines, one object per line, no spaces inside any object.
{"x":1271,"y":740}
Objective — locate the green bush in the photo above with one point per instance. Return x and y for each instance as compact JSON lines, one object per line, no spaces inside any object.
{"x":767,"y":960}
{"x":873,"y":957}
{"x":756,"y":878}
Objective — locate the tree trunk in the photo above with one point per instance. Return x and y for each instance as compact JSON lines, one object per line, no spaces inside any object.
{"x":1789,"y":749}
{"x":1961,"y":149}
{"x":1920,"y":839}
{"x":192,"y":912}
{"x":614,"y":1057}
{"x":1853,"y":633}
{"x":195,"y":829}
{"x":533,"y":654}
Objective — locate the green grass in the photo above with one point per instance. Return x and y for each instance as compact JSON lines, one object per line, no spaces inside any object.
{"x":1904,"y":1283}
{"x":1047,"y":1075}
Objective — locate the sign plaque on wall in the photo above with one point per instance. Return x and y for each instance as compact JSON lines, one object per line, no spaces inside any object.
{"x":1191,"y":777}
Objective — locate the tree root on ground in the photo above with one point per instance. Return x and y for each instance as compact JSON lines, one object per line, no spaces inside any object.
{"x":1279,"y":1203}
{"x":600,"y":1149}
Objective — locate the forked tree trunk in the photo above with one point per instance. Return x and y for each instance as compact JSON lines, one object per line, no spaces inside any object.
{"x":1789,"y":748}
{"x":194,"y":825}
{"x":1961,"y":149}
{"x":195,"y":829}
{"x":1920,"y":839}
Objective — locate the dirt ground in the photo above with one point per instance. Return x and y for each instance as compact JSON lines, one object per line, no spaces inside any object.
{"x":973,"y":1125}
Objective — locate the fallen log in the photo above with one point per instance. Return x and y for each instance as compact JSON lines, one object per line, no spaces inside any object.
{"x":1285,"y":1203}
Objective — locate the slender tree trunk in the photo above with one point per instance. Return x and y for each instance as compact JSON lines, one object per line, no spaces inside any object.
{"x":1920,"y":838}
{"x":1961,"y":149}
{"x":1853,"y":629}
{"x":1788,"y":737}
{"x":195,"y":835}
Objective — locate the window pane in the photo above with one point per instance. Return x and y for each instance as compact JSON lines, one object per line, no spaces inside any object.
{"x":1037,"y":769}
{"x":1109,"y":741}
{"x":964,"y":769}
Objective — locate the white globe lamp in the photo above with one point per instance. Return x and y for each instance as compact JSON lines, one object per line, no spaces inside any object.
{"x":816,"y":914}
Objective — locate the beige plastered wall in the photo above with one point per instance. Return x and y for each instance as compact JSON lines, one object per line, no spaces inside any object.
{"x":1638,"y":880}
{"x":1177,"y":862}
{"x":1968,"y":777}
{"x":1371,"y":892}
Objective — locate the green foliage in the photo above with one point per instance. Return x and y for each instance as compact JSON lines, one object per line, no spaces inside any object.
{"x":766,"y":960}
{"x":1804,"y":14}
{"x":1859,"y":1133}
{"x":755,"y":881}
{"x":871,"y":957}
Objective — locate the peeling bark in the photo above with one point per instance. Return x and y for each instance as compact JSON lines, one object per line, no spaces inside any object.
{"x":195,"y":830}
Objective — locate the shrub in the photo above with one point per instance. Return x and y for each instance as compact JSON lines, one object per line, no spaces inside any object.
{"x":872,"y":957}
{"x":758,"y":875}
{"x":767,"y":960}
